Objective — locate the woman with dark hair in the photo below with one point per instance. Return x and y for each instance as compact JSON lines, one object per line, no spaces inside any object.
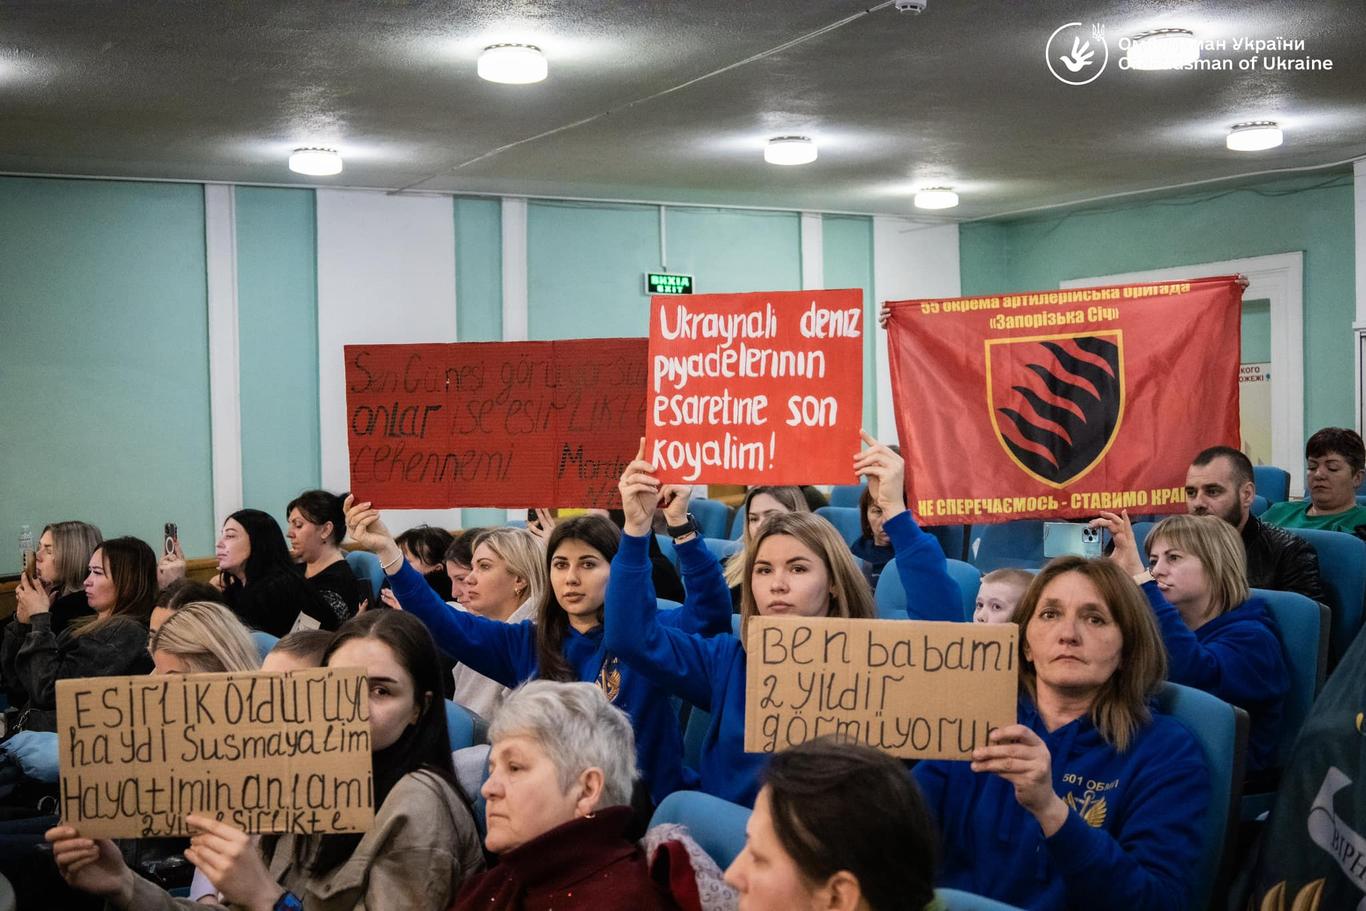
{"x":258,"y":577}
{"x":836,"y":825}
{"x":565,"y":641}
{"x":423,"y":843}
{"x":796,"y":565}
{"x":317,"y":525}
{"x":1091,"y":798}
{"x":873,"y":548}
{"x":459,"y":560}
{"x":424,"y":546}
{"x":120,"y":588}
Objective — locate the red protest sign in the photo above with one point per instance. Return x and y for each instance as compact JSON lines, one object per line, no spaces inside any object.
{"x":762,"y":388}
{"x":506,"y":424}
{"x":1063,"y":403}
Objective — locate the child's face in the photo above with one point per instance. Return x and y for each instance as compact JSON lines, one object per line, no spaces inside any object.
{"x":996,"y":602}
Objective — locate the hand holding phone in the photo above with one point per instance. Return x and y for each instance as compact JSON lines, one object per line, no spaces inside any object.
{"x":1062,"y":539}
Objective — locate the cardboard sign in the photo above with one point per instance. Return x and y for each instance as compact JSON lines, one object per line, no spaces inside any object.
{"x":756,"y":388}
{"x":912,"y":688}
{"x":504,"y":424}
{"x":1062,"y":402}
{"x":280,"y":752}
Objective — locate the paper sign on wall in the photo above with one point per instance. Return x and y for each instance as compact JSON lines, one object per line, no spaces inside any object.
{"x":505,"y":424}
{"x":760,"y":388}
{"x":265,"y":752}
{"x":913,"y":688}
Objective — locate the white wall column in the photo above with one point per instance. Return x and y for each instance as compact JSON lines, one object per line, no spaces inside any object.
{"x":515,"y":318}
{"x":813,"y":252}
{"x":910,"y":260}
{"x":1359,"y":325}
{"x":225,"y":405}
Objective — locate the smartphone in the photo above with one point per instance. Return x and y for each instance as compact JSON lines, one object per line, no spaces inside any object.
{"x":171,"y":533}
{"x":31,"y":564}
{"x":1062,"y":539}
{"x":530,"y":516}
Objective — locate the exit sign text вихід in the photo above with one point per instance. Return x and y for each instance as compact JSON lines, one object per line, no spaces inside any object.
{"x":666,"y":283}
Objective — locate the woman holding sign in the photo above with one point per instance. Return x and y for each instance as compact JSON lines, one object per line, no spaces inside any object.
{"x":797,"y":566}
{"x":566,"y":641}
{"x":1091,"y":799}
{"x":423,"y":843}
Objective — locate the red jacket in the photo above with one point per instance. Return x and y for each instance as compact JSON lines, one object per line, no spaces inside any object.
{"x":586,"y":863}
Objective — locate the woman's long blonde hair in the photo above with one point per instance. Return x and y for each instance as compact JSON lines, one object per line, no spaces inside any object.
{"x":791,"y":497}
{"x":524,"y":556}
{"x":851,"y":596}
{"x":208,"y":638}
{"x":73,"y":543}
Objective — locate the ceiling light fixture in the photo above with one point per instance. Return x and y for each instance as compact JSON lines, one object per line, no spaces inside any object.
{"x":1254,"y":136}
{"x":315,"y":162}
{"x":936,"y":198}
{"x":1163,"y":49}
{"x":513,"y":64}
{"x":787,"y":150}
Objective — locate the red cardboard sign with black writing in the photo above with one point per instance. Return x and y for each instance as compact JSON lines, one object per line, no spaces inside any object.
{"x":500,"y":424}
{"x":762,"y":388}
{"x":1063,"y":403}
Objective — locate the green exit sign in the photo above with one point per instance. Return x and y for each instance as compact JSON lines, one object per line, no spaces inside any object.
{"x":665,"y":283}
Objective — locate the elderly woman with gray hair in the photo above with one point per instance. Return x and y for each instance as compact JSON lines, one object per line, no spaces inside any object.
{"x":561,"y":771}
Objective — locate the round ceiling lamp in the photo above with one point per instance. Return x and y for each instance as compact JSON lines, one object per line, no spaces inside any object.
{"x":315,"y":162}
{"x":790,"y":150}
{"x":1163,"y":49}
{"x":1254,"y":136}
{"x":936,"y":198}
{"x":512,"y":64}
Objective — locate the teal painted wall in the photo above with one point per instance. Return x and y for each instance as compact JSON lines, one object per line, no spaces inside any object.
{"x":277,"y":319}
{"x":847,"y":260}
{"x":1310,"y":214}
{"x":733,"y":250}
{"x":479,"y":270}
{"x":1256,"y":332}
{"x":104,"y":360}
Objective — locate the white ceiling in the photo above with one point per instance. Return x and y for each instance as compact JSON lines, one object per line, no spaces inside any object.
{"x":635,"y":109}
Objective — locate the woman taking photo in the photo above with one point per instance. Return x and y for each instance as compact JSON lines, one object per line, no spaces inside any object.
{"x":1090,"y":799}
{"x":836,"y":826}
{"x":422,"y":845}
{"x":258,"y":577}
{"x":317,"y":525}
{"x":1218,"y":637}
{"x":565,"y":641}
{"x":797,"y":565}
{"x":557,"y":801}
{"x":120,"y":589}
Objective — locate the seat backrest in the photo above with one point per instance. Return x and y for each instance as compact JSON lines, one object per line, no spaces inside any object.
{"x":722,"y":548}
{"x":1141,"y":532}
{"x":1260,"y":504}
{"x":1271,"y":482}
{"x":666,"y":547}
{"x":1018,"y":544}
{"x":954,"y":900}
{"x":718,"y":826}
{"x":694,"y":732}
{"x":952,"y":539}
{"x":737,"y":523}
{"x":264,"y":642}
{"x":712,"y":515}
{"x":1342,"y":567}
{"x":846,"y":495}
{"x":365,"y":565}
{"x":890,"y":596}
{"x":1304,"y":632}
{"x":845,"y":519}
{"x":466,"y":729}
{"x":1221,"y":731}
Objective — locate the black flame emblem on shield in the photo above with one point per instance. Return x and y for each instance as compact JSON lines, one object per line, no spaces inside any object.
{"x":1059,"y":423}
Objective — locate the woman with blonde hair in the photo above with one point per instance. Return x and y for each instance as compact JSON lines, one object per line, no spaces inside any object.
{"x":120,"y":588}
{"x":1091,"y":796}
{"x":1219,"y":638}
{"x":796,"y":566}
{"x":760,"y":504}
{"x":203,"y":637}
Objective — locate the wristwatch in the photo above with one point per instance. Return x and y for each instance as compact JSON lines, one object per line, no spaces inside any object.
{"x":689,"y":527}
{"x":288,"y":902}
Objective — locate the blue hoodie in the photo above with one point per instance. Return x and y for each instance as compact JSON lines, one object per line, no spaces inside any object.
{"x":506,"y":652}
{"x":1238,"y":657}
{"x":710,"y":673}
{"x":1129,"y":842}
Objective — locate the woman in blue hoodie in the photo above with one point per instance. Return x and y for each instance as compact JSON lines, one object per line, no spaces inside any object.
{"x":1219,"y":638}
{"x":1091,"y":800}
{"x":795,"y":565}
{"x":565,"y":642}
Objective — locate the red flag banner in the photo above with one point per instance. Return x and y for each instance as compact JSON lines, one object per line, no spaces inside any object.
{"x":762,"y":388}
{"x":506,"y":424}
{"x":1063,"y":403}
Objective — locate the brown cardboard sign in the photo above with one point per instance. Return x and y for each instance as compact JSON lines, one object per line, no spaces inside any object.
{"x":912,"y":688}
{"x":265,"y":752}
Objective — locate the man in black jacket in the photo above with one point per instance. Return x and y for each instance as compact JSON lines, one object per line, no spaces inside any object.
{"x":1219,"y":483}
